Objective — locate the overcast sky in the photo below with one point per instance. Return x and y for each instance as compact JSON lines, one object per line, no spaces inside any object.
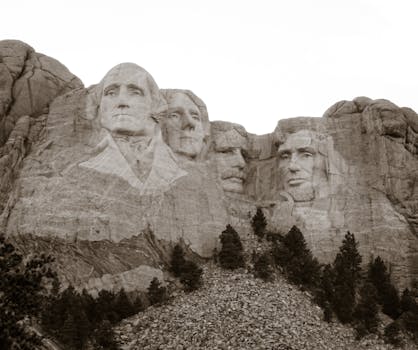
{"x":252,"y":62}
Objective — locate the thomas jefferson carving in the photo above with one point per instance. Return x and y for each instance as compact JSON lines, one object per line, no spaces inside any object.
{"x":186,"y":127}
{"x":128,"y":106}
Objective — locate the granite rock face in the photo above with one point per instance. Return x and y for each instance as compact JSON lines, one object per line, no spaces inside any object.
{"x":355,"y":169}
{"x":110,"y":177}
{"x":29,"y":82}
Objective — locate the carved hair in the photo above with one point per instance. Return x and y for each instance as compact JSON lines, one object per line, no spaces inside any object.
{"x":168,"y":93}
{"x":221,"y":129}
{"x":94,"y":97}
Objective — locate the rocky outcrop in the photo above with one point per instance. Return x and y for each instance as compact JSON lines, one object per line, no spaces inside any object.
{"x":29,"y":81}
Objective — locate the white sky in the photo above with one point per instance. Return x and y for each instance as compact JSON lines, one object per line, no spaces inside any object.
{"x":252,"y":62}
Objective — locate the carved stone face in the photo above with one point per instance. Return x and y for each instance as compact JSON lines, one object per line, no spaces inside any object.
{"x":297,"y":161}
{"x":184,"y":126}
{"x":230,"y":162}
{"x":125,"y":107}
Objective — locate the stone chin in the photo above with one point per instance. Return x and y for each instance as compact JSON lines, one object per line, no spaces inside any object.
{"x":233,"y":184}
{"x":189,"y":147}
{"x":300,"y":190}
{"x":129,"y":125}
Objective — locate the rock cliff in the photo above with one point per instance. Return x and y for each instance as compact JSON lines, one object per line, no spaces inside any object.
{"x":108,"y":178}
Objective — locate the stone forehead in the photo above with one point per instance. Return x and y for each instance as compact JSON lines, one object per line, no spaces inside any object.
{"x":130,"y":68}
{"x":168,"y":93}
{"x":302,"y":137}
{"x":228,"y":135}
{"x":184,"y":98}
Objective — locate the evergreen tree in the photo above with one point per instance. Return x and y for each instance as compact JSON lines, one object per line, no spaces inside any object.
{"x":105,"y":306}
{"x":387,"y":293}
{"x":83,"y":326}
{"x":262,"y":267}
{"x":347,"y":275}
{"x":23,"y":287}
{"x":157,"y":294}
{"x":190,"y":276}
{"x":123,"y":306}
{"x":138,"y":305}
{"x":408,"y":302}
{"x":259,"y":223}
{"x":293,"y":255}
{"x":188,"y":272}
{"x":409,"y":317}
{"x":230,"y":256}
{"x":366,"y":311}
{"x":104,"y":337}
{"x":177,"y":260}
{"x":392,"y":334}
{"x":69,"y":333}
{"x":325,"y":292}
{"x":89,"y":305}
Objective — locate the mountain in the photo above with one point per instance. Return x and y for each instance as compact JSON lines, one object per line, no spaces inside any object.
{"x":108,"y":178}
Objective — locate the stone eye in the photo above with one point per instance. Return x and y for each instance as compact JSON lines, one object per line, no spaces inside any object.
{"x":137,"y":92}
{"x":195,"y":116}
{"x":110,"y":93}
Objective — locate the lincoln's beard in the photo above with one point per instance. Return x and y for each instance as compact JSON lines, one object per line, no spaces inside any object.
{"x":302,"y":193}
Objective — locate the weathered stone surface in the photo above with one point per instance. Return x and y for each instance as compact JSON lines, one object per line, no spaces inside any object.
{"x":29,"y":81}
{"x":60,"y":199}
{"x":353,"y":170}
{"x":114,"y":175}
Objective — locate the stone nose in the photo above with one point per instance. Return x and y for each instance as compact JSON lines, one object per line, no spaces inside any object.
{"x":293,"y":165}
{"x":187,"y":122}
{"x":122,"y":99}
{"x":239,"y":161}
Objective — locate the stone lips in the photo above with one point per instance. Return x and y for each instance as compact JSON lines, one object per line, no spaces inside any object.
{"x":106,"y":233}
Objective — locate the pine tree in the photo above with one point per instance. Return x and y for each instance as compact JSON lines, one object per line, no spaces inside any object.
{"x":157,"y":294}
{"x":88,"y":305}
{"x":23,"y":287}
{"x":123,"y":306}
{"x":190,"y":276}
{"x":105,"y":306}
{"x":83,"y":325}
{"x":392,"y":334}
{"x":325,"y":292}
{"x":347,"y":275}
{"x":366,"y":311}
{"x":262,"y":267}
{"x":408,"y":302}
{"x":409,"y":317}
{"x":138,"y":305}
{"x":293,"y":255}
{"x":230,"y":256}
{"x":387,"y":293}
{"x":105,"y":337}
{"x":177,"y":260}
{"x":69,"y":332}
{"x":259,"y":223}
